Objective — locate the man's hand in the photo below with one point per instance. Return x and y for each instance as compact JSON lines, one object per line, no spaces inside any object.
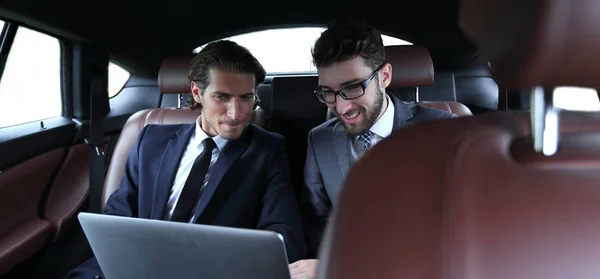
{"x":304,"y":269}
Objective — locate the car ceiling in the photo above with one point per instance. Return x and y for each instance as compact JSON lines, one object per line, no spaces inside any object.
{"x":139,"y":34}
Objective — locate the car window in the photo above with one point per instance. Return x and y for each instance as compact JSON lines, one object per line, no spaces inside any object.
{"x":30,"y":88}
{"x":287,"y":50}
{"x":117,"y":77}
{"x":576,"y":98}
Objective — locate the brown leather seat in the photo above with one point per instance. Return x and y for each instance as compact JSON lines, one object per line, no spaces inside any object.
{"x":483,"y":203}
{"x":449,"y":106}
{"x":412,"y":67}
{"x":172,"y":79}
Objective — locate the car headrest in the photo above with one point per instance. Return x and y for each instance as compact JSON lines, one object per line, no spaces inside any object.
{"x":173,"y":75}
{"x":546,"y":42}
{"x":411,"y":66}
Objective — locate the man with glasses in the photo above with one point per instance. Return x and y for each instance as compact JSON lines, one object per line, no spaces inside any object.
{"x":353,"y":75}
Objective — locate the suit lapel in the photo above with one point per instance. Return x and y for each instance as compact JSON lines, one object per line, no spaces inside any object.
{"x":168,"y":168}
{"x":342,"y":146}
{"x":402,"y":113}
{"x":232,"y":150}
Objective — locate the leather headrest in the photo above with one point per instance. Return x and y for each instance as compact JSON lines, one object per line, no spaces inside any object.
{"x":411,"y":66}
{"x":173,"y":75}
{"x":536,"y":42}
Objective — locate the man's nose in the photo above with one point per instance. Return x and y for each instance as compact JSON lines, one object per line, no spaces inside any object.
{"x":233,"y":109}
{"x":342,"y":105}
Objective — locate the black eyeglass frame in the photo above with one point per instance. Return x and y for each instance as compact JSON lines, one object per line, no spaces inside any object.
{"x":320,"y":94}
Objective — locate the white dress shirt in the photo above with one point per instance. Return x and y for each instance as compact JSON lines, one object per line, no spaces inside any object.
{"x":192,"y":151}
{"x":382,"y":128}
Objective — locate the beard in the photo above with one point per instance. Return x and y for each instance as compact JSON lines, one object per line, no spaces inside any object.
{"x":370,"y":116}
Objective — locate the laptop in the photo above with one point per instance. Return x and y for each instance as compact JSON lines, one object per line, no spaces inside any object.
{"x":141,"y":248}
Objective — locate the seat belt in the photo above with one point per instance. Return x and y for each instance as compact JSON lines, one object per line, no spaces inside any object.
{"x":502,"y":99}
{"x":502,"y":92}
{"x":95,"y":140}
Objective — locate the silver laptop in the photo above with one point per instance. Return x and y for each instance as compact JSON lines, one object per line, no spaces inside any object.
{"x":141,"y":248}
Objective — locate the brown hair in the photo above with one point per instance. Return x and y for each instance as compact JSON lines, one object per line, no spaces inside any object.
{"x":345,"y":39}
{"x":222,"y":55}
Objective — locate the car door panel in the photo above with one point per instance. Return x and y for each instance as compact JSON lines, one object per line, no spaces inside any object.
{"x":22,"y":231}
{"x":20,"y":142}
{"x":69,"y":189}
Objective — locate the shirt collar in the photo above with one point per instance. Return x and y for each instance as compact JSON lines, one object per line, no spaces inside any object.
{"x":201,"y":135}
{"x":385,"y":124}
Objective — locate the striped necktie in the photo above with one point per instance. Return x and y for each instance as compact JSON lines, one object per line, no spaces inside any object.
{"x":366,"y":139}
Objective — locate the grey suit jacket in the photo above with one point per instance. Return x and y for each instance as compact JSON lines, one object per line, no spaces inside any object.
{"x":329,"y":159}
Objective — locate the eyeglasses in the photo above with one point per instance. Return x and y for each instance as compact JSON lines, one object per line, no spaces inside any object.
{"x":349,"y":92}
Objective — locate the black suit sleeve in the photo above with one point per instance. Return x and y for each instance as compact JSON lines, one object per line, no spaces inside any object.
{"x":280,"y":210}
{"x":123,"y":202}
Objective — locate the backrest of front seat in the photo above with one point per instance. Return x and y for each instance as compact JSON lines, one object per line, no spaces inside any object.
{"x":412,"y":66}
{"x":172,"y":79}
{"x":482,"y":202}
{"x":294,"y":112}
{"x":479,"y":204}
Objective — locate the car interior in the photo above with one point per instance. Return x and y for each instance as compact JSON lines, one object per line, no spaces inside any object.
{"x":505,"y":190}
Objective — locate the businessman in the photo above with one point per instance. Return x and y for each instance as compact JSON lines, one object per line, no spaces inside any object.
{"x":353,"y":75}
{"x":218,"y":170}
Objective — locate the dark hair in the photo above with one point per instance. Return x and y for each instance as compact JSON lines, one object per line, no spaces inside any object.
{"x":222,"y":55}
{"x":345,"y":39}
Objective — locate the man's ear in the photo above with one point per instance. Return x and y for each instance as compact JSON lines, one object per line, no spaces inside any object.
{"x":386,"y":75}
{"x":196,"y":92}
{"x":256,"y":102}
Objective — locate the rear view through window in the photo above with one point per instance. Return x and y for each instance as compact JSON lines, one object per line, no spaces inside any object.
{"x":288,"y":50}
{"x":30,"y":86}
{"x":576,"y":98}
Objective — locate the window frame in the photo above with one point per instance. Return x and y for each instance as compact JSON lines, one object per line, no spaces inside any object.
{"x":40,"y":135}
{"x":7,"y":37}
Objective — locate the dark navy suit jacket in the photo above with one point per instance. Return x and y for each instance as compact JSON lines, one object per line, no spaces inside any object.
{"x":249,"y":186}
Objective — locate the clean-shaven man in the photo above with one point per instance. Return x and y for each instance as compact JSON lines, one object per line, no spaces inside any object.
{"x":218,"y":170}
